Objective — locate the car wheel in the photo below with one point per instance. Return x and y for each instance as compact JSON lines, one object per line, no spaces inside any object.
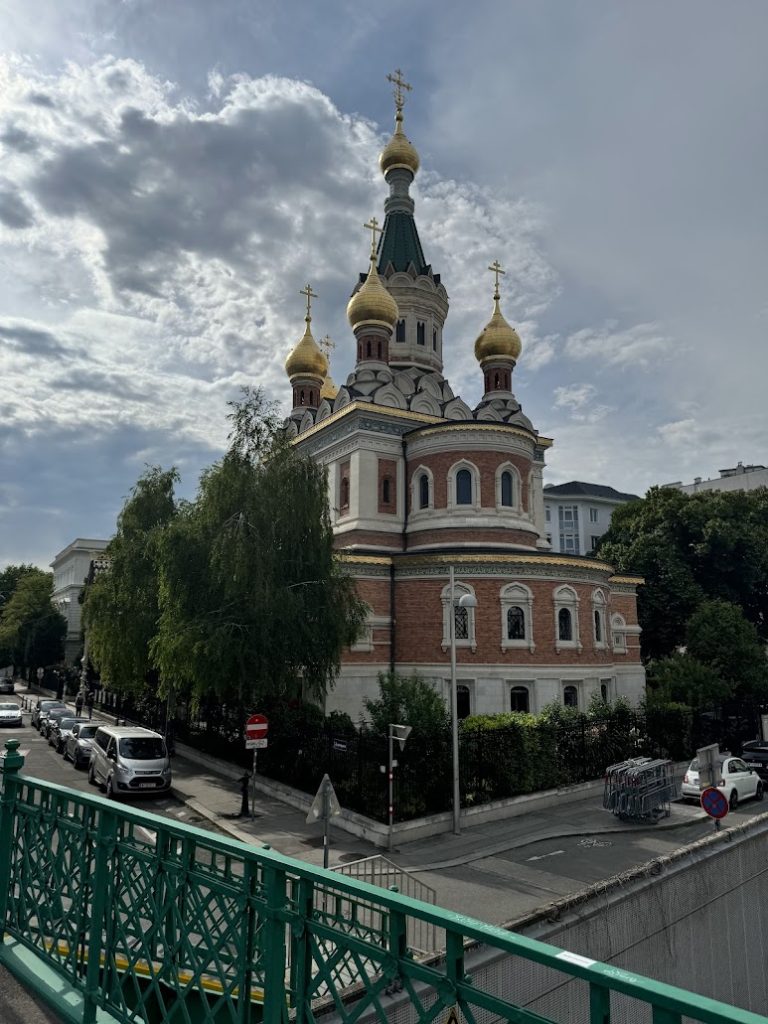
{"x":733,"y":803}
{"x":110,"y":787}
{"x":759,"y":791}
{"x":91,"y":776}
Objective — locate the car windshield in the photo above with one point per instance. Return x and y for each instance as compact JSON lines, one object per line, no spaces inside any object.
{"x":142,"y":748}
{"x":9,"y":707}
{"x":45,"y":704}
{"x":86,"y":732}
{"x":59,"y":713}
{"x":694,"y":765}
{"x":66,"y":723}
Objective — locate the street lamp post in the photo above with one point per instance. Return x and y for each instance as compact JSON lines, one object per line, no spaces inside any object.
{"x":465,"y":601}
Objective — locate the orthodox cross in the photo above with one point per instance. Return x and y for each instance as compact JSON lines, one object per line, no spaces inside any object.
{"x":399,"y":83}
{"x":310,"y":295}
{"x":326,"y":344}
{"x":495,"y":269}
{"x":373,"y":227}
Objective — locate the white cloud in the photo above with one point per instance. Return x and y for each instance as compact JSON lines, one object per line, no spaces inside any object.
{"x":635,"y":346}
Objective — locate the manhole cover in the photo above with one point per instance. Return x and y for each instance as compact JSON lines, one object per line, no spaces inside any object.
{"x":347,"y":858}
{"x":313,"y":841}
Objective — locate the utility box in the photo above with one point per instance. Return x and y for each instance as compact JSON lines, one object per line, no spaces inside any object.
{"x":707,"y":758}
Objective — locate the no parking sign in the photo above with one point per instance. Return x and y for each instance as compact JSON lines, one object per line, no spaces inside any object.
{"x":713,"y":802}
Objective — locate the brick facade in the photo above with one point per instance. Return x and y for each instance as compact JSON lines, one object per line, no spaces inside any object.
{"x":487,"y":463}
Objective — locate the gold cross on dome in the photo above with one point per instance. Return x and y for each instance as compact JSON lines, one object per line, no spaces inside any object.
{"x":399,"y":83}
{"x":310,"y":295}
{"x":373,"y":227}
{"x":326,"y":344}
{"x":495,"y":269}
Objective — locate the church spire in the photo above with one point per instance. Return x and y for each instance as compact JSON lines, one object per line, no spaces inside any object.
{"x":399,"y":162}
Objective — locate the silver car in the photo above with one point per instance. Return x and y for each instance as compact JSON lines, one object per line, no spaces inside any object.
{"x":60,"y":729}
{"x":10,"y":714}
{"x":42,"y":708}
{"x":128,"y":761}
{"x":77,"y":746}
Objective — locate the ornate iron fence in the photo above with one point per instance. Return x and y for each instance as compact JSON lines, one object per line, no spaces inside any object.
{"x":146,"y":920}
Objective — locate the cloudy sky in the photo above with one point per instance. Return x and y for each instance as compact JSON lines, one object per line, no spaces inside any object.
{"x":172,"y":172}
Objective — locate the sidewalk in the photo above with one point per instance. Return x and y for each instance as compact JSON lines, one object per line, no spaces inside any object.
{"x":212,"y":792}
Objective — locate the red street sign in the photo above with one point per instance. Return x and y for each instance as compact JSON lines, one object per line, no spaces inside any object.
{"x":713,"y":801}
{"x":256,"y":727}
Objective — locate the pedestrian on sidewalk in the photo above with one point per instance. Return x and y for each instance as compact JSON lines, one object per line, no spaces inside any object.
{"x":79,"y":703}
{"x":89,"y":704}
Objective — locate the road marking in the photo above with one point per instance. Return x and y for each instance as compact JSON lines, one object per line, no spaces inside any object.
{"x":590,"y":843}
{"x":541,"y":856}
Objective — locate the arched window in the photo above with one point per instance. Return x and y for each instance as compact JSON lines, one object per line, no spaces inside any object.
{"x":519,"y":699}
{"x":463,"y":487}
{"x":423,"y":491}
{"x":507,"y":493}
{"x":516,"y":617}
{"x":344,"y":493}
{"x":566,"y":618}
{"x":515,"y":623}
{"x":400,"y":331}
{"x":461,"y":623}
{"x":463,"y":703}
{"x":420,"y":332}
{"x":368,"y":349}
{"x":618,"y":627}
{"x":564,"y":624}
{"x":434,"y":339}
{"x":598,"y":626}
{"x":378,"y":349}
{"x":386,"y":490}
{"x":603,"y":693}
{"x":598,"y":618}
{"x":463,"y":618}
{"x":301,"y":398}
{"x":497,"y":381}
{"x":570,"y":697}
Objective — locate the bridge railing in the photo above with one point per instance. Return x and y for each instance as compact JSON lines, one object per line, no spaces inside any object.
{"x":153,"y":921}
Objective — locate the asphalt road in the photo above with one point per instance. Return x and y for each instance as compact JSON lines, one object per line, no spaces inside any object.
{"x":42,"y":762}
{"x":508,"y":885}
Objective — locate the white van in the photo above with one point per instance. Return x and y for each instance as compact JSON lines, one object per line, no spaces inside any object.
{"x":128,"y":761}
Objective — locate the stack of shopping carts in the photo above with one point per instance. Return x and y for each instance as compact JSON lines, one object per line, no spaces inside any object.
{"x":640,"y":789}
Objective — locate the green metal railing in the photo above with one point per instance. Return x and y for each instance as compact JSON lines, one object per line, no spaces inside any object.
{"x":152,"y":921}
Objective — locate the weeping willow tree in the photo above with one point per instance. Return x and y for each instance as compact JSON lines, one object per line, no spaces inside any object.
{"x":121,"y":607}
{"x":251,"y":598}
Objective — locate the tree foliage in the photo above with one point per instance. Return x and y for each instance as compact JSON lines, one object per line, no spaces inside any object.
{"x":718,"y":635}
{"x":691,"y":549}
{"x":32,"y":631}
{"x":253,"y":602}
{"x":121,"y":607}
{"x":682,"y":680}
{"x":407,"y":700}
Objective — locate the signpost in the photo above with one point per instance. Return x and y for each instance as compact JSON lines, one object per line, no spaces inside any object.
{"x":255,"y":739}
{"x":326,"y":806}
{"x":714,"y":803}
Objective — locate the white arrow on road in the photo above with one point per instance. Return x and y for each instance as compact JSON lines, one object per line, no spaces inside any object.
{"x":543,"y":855}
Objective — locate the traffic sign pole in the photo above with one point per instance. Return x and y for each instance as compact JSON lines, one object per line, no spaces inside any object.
{"x":256,"y":728}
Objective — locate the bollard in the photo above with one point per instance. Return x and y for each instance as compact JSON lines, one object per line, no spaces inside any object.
{"x":244,"y":783}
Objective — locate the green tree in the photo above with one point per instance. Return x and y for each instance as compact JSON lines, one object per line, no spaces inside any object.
{"x":121,"y":606}
{"x":9,"y":580}
{"x":32,"y":631}
{"x":407,"y":700}
{"x":254,"y":605}
{"x":691,"y":548}
{"x":684,"y":680}
{"x":720,"y":637}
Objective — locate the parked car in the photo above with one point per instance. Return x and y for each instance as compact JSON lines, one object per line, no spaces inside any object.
{"x":6,"y":685}
{"x":10,"y":714}
{"x":60,"y":729}
{"x":52,"y":715}
{"x":42,"y":708}
{"x":733,"y":776}
{"x":77,"y":745}
{"x":755,"y":753}
{"x":128,"y":761}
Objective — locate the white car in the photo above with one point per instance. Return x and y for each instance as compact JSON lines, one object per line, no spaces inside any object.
{"x":10,"y":714}
{"x":734,"y":779}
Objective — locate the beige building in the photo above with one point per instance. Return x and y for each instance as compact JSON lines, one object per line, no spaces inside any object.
{"x":70,"y":569}
{"x":738,"y":478}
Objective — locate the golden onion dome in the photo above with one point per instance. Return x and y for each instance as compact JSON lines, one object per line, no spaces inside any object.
{"x":372,"y":303}
{"x":399,"y":151}
{"x":498,"y":340}
{"x":329,"y":389}
{"x":306,"y":359}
